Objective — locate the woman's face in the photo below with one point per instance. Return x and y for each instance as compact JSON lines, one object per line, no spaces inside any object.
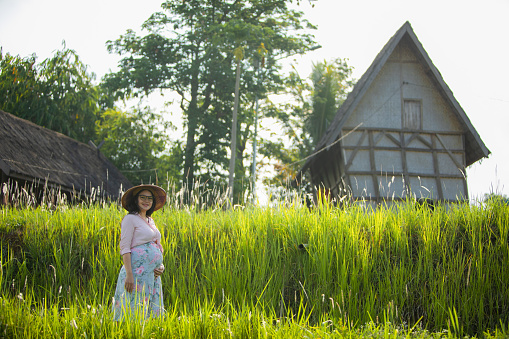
{"x":145,"y":200}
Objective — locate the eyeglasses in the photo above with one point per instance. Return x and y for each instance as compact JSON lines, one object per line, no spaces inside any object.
{"x":146,"y":198}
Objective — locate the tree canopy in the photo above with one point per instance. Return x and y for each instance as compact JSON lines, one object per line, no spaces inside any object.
{"x":189,"y":48}
{"x":137,"y":144}
{"x":58,"y":93}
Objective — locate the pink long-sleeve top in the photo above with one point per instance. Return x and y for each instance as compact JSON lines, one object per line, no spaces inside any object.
{"x":136,"y":231}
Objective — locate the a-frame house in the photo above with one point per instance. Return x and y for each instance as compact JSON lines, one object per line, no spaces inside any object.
{"x":400,"y":133}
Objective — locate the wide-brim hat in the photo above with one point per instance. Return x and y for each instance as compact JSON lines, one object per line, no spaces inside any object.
{"x":158,"y":192}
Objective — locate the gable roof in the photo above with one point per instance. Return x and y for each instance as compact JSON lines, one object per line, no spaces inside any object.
{"x":34,"y":153}
{"x":474,"y":146}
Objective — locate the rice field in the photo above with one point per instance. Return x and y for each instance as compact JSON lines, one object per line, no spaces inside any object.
{"x":263,"y":272}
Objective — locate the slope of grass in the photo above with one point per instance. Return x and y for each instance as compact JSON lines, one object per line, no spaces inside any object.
{"x":265,"y":272}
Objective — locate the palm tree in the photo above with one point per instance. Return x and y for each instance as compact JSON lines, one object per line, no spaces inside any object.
{"x":330,"y":85}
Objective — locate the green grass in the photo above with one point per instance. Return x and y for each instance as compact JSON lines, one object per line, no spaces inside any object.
{"x":391,"y":273}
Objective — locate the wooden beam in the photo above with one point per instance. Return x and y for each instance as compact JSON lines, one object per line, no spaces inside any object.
{"x":425,"y":142}
{"x":404,"y":161}
{"x":398,"y":199}
{"x":379,"y":137}
{"x":392,"y":130}
{"x":410,"y":174}
{"x":412,"y":137}
{"x":393,"y":139}
{"x":373,"y":164}
{"x":337,"y":171}
{"x":465,"y":186}
{"x":410,"y":149}
{"x":449,"y":152}
{"x":436,"y":168}
{"x":345,"y":178}
{"x":356,"y":149}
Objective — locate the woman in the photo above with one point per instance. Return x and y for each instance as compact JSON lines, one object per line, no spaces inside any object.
{"x":139,"y":280}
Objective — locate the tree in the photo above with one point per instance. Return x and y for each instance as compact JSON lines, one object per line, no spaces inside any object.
{"x":189,"y":50}
{"x":57,"y":94}
{"x":306,"y":119}
{"x":136,"y":144}
{"x":330,"y":86}
{"x":20,"y":88}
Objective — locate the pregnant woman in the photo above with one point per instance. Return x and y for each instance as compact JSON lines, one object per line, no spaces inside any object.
{"x":138,"y":289}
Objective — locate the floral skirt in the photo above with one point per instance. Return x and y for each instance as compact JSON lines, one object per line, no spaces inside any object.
{"x":146,"y":299}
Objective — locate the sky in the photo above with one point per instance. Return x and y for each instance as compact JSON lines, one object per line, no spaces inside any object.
{"x":468,"y":41}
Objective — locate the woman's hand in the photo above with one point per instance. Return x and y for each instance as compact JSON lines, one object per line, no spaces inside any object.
{"x":129,"y":283}
{"x":158,"y":271}
{"x":129,"y":280}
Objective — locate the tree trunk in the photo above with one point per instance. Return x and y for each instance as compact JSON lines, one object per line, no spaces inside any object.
{"x":233,"y":148}
{"x":240,"y":172}
{"x":192,"y":125}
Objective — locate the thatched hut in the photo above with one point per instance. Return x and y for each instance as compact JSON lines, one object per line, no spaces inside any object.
{"x":400,"y":133}
{"x":36,"y":160}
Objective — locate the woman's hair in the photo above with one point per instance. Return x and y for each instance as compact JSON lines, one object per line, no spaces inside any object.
{"x":132,"y":204}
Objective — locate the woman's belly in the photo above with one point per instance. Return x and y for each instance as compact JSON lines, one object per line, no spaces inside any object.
{"x":146,"y":257}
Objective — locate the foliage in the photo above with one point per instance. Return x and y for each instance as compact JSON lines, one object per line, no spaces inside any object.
{"x":57,"y":94}
{"x":265,"y":272}
{"x":136,"y":143}
{"x":492,"y":197}
{"x":331,"y":83}
{"x":189,"y":50}
{"x":306,"y":119}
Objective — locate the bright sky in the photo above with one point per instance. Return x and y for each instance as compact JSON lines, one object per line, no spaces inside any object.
{"x":467,"y":40}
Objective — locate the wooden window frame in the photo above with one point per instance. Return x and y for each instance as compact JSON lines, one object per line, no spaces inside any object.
{"x":403,"y":116}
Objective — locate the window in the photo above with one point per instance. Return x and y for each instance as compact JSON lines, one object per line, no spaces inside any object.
{"x":412,"y":114}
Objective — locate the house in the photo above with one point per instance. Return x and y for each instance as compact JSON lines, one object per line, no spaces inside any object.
{"x":37,"y":160}
{"x":400,"y":133}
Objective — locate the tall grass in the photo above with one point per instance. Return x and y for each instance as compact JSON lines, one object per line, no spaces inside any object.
{"x":264,"y":272}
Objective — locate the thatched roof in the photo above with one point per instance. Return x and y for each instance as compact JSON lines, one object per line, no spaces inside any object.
{"x":474,"y":146}
{"x":36,"y":154}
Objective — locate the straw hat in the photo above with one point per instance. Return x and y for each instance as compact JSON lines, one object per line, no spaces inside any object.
{"x":158,"y":192}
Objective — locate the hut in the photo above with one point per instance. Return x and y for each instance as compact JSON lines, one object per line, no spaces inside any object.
{"x":35,"y":160}
{"x":400,"y":133}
